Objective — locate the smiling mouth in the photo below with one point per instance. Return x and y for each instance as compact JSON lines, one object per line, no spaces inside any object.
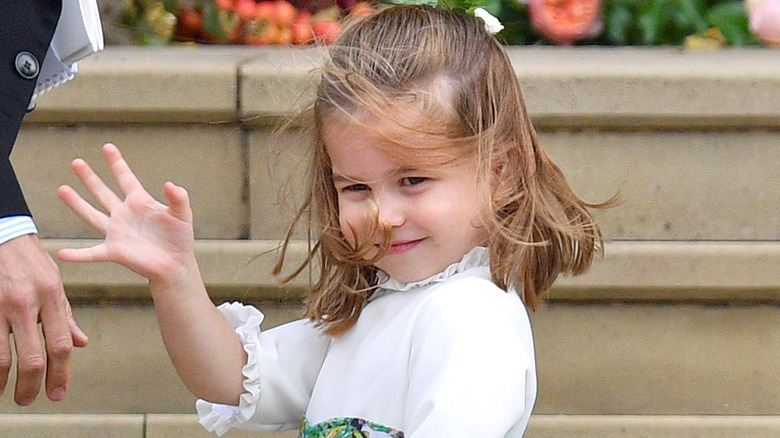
{"x":402,"y":247}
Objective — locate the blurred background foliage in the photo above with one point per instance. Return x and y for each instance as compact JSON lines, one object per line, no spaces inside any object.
{"x":688,"y":23}
{"x":646,"y":23}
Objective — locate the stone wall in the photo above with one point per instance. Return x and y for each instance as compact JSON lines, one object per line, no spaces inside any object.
{"x":673,"y":332}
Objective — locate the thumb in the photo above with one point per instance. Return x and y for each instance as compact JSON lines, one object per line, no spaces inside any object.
{"x":178,"y":202}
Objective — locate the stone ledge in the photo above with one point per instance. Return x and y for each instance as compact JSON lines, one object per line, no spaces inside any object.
{"x":630,"y":271}
{"x":675,"y":186}
{"x":649,"y":426}
{"x":71,"y":426}
{"x":541,"y":426}
{"x":595,"y":359}
{"x":141,"y":84}
{"x":629,"y":87}
{"x":581,"y":87}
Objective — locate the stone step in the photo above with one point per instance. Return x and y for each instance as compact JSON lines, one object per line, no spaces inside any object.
{"x":576,"y":87}
{"x":646,"y":331}
{"x":695,"y":185}
{"x":541,"y":426}
{"x":688,"y":139}
{"x":652,"y":271}
{"x":638,"y":358}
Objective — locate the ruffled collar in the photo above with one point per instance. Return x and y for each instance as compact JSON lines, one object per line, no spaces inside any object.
{"x":477,"y":257}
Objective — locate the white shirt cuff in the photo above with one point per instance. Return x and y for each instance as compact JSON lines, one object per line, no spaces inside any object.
{"x":12,"y":227}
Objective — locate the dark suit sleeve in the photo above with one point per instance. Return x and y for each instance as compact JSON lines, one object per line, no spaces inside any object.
{"x":25,"y":25}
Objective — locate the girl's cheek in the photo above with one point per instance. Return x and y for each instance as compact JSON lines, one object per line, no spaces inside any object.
{"x":349,"y":222}
{"x":345,"y":229}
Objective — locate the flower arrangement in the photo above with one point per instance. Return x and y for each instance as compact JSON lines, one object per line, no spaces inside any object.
{"x":689,"y":23}
{"x":248,"y":22}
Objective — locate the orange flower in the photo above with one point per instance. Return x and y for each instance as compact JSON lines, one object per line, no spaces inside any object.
{"x":565,"y":21}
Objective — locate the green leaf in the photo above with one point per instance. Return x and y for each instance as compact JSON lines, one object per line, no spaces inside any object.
{"x":651,"y":19}
{"x":212,"y":22}
{"x":731,"y":19}
{"x":411,"y":2}
{"x":691,"y":13}
{"x":460,"y":5}
{"x":171,"y":6}
{"x":146,"y":36}
{"x":618,"y":24}
{"x":492,"y":6}
{"x":514,"y":16}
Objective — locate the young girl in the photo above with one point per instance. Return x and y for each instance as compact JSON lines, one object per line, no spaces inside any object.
{"x":437,"y":220}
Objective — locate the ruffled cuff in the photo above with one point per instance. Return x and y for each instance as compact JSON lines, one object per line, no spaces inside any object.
{"x":220,"y":418}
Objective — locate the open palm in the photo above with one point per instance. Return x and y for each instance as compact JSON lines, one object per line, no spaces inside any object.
{"x":146,"y":236}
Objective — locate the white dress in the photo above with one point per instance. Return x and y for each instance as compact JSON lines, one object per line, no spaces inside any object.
{"x":450,"y":356}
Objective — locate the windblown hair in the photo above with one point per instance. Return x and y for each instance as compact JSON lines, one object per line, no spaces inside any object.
{"x":468,"y":104}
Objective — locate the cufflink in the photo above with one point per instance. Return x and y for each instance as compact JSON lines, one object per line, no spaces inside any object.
{"x":27,"y":65}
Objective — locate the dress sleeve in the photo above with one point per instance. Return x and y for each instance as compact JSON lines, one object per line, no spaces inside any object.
{"x":281,"y":369}
{"x":471,"y":368}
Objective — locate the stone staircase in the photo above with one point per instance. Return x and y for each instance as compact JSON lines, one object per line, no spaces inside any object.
{"x":674,"y":333}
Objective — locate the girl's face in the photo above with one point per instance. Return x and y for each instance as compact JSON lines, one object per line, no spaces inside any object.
{"x":433,"y":212}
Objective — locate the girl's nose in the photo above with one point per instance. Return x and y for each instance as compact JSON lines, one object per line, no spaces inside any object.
{"x":391,"y":210}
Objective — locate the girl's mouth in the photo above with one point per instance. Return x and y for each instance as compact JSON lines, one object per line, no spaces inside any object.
{"x":402,"y":247}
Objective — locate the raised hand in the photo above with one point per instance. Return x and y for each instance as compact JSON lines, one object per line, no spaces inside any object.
{"x":157,"y":242}
{"x":150,"y":238}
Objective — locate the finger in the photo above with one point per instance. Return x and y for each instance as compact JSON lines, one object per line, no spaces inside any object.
{"x":80,"y":338}
{"x":178,"y":202}
{"x":30,"y":358}
{"x":83,"y":209}
{"x":97,"y":253}
{"x":104,"y":196}
{"x":55,"y":321}
{"x":6,"y":359}
{"x":123,"y":175}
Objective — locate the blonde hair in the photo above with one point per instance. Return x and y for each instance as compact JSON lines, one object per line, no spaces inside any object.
{"x":537,"y":227}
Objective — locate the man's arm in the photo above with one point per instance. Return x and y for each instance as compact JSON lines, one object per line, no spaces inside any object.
{"x":30,"y":286}
{"x":26,"y":29}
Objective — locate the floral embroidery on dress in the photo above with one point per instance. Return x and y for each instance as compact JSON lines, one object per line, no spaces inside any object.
{"x":347,"y":428}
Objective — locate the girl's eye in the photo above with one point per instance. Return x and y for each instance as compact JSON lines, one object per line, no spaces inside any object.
{"x":354,"y":188}
{"x":413,"y":180}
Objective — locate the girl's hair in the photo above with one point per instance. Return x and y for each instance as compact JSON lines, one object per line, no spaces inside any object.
{"x":471,"y":106}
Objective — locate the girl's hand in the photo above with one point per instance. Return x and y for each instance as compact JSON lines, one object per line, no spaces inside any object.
{"x":148,"y":237}
{"x":157,"y":242}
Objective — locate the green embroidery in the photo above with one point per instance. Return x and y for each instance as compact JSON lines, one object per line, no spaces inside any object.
{"x":347,"y":428}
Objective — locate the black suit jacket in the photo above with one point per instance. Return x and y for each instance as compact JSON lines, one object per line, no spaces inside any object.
{"x":25,"y":26}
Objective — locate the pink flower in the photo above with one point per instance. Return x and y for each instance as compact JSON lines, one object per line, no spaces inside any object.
{"x":565,"y":21}
{"x":764,"y":19}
